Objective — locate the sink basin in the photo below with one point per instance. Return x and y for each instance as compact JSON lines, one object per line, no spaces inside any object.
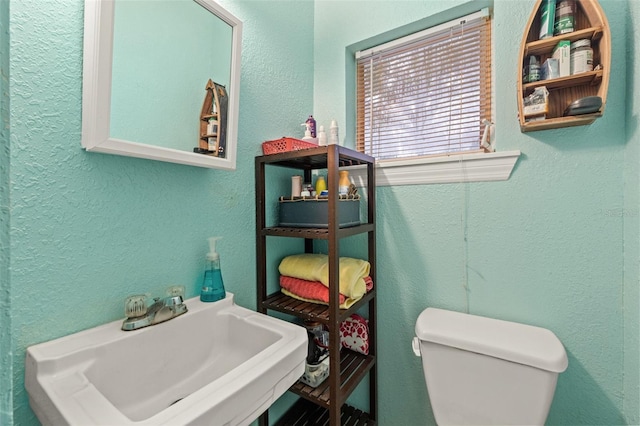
{"x":217,"y":364}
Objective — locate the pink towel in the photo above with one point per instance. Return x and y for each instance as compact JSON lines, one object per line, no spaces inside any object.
{"x":368,"y":282}
{"x":311,"y":290}
{"x":315,"y":291}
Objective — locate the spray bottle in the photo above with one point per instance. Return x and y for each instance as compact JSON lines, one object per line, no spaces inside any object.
{"x":312,"y":126}
{"x":212,"y":285}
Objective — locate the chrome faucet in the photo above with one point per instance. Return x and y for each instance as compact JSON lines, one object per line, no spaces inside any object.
{"x":161,"y":310}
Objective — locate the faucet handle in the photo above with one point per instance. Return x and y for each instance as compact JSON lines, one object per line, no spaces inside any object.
{"x":175,"y":295}
{"x":175,"y":290}
{"x":173,"y":301}
{"x":135,"y":306}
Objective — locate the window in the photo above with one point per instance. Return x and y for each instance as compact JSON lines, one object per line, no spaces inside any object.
{"x":427,"y":93}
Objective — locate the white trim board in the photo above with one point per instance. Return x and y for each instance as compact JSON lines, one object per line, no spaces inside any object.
{"x":475,"y":167}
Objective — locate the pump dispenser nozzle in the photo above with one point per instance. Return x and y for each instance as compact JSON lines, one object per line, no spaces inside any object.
{"x":213,"y":254}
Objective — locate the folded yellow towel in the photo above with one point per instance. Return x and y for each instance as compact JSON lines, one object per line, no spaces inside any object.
{"x":315,"y":267}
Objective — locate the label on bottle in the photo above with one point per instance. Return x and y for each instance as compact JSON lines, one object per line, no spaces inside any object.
{"x":321,"y":185}
{"x":581,"y":60}
{"x":547,"y":18}
{"x":212,"y":127}
{"x":212,"y":287}
{"x":564,"y":17}
{"x":344,"y":183}
{"x":312,"y":126}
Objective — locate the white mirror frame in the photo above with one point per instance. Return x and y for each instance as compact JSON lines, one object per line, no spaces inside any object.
{"x":96,"y":91}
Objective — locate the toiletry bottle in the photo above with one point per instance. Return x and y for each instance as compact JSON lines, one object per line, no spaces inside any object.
{"x":212,"y":127}
{"x":307,"y":134}
{"x":344,"y":182}
{"x":322,"y":136}
{"x":321,"y":185}
{"x":212,"y":285}
{"x":296,"y":186}
{"x":547,"y":18}
{"x":333,"y":133}
{"x":312,"y":125}
{"x":211,"y":144}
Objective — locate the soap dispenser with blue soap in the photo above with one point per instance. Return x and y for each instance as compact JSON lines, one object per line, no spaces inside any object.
{"x":212,"y":285}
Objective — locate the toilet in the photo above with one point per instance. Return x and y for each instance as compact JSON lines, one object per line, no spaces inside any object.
{"x":485,"y":371}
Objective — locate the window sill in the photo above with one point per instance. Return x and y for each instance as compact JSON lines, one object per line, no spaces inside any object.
{"x":473,"y":167}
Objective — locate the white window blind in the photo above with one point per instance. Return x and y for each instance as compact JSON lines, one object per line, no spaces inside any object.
{"x":426,"y":93}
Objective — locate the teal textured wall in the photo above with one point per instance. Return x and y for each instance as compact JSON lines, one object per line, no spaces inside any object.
{"x":89,"y":229}
{"x":543,"y":248}
{"x":6,"y":404}
{"x":632,"y":223}
{"x":549,"y":247}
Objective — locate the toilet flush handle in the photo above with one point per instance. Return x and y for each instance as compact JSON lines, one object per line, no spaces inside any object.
{"x":415,"y":345}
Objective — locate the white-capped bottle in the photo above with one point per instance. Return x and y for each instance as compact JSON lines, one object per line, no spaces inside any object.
{"x":322,"y":136}
{"x":333,"y":133}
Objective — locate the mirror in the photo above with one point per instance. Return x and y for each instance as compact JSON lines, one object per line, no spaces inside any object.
{"x":147,"y":64}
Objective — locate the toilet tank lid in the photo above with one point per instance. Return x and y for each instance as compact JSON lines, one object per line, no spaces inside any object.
{"x":520,"y":343}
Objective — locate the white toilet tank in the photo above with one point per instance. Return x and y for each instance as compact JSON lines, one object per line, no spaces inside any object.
{"x":485,"y":371}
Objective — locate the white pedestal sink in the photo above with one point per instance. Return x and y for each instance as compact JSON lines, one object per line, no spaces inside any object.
{"x":218,"y":364}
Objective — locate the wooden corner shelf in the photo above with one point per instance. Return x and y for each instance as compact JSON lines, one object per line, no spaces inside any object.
{"x":559,"y":122}
{"x":591,"y":24}
{"x":590,"y":78}
{"x":541,"y":47}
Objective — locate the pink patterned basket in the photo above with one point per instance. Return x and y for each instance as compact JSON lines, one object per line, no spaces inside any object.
{"x":354,"y":334}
